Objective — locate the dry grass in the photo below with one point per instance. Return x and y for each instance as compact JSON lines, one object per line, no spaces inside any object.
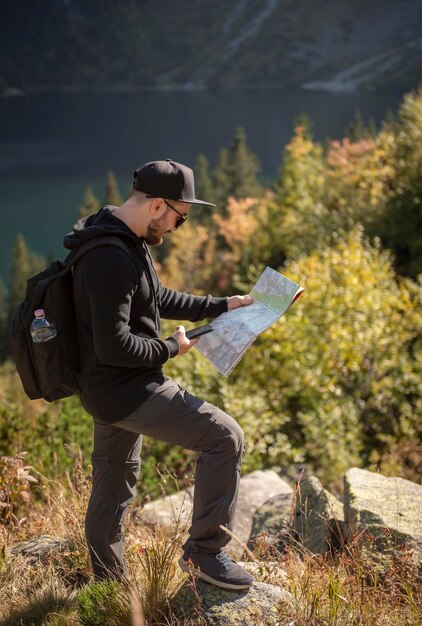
{"x":343,"y":589}
{"x":58,"y":590}
{"x":348,"y":589}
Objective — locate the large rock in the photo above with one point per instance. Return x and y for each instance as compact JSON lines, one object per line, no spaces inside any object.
{"x":254,"y":490}
{"x":312,"y":516}
{"x":318,"y":519}
{"x":169,"y":511}
{"x":272,"y":521}
{"x":267,"y":571}
{"x":387,"y":510}
{"x":218,"y":607}
{"x":41,"y":548}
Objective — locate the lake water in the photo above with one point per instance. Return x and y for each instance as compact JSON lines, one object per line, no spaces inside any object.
{"x":53,"y":145}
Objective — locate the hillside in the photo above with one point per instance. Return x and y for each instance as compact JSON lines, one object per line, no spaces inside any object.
{"x":136,"y":44}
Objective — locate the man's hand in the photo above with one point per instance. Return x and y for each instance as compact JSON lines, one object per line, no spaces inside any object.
{"x":236,"y":301}
{"x":184,"y":343}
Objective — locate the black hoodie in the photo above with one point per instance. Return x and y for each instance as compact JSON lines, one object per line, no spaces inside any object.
{"x":119,"y":301}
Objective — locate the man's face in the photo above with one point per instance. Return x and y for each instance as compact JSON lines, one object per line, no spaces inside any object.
{"x":164,"y":221}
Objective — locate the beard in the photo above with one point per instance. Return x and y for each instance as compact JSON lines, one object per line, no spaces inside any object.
{"x":155,"y":232}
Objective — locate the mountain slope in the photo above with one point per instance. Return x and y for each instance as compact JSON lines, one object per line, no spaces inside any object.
{"x":139,"y":44}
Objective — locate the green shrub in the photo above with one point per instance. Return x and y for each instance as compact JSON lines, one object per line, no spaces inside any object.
{"x":342,"y":370}
{"x":102,"y":603}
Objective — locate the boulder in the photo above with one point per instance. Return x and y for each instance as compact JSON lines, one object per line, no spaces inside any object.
{"x":312,"y":516}
{"x":39,"y":549}
{"x":267,"y":571}
{"x":212,"y":606}
{"x":318,"y":519}
{"x":387,"y":510}
{"x":254,"y":490}
{"x":171,"y":511}
{"x":272,"y":520}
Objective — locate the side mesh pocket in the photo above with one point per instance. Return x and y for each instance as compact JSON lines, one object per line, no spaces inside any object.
{"x":22,"y":355}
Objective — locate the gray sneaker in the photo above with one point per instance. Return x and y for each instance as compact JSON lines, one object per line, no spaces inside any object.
{"x":218,"y":569}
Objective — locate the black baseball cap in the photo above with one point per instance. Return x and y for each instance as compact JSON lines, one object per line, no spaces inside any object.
{"x":167,"y":179}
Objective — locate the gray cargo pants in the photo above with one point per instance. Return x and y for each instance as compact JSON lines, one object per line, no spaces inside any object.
{"x":175,"y":416}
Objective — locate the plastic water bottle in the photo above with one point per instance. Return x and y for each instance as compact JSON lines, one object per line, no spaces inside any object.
{"x":41,"y":329}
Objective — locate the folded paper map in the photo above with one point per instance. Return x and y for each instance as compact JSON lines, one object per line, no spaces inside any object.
{"x":235,"y":331}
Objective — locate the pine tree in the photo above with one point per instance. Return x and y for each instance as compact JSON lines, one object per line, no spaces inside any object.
{"x":236,"y":172}
{"x":20,"y":271}
{"x":390,"y":123}
{"x":112,"y":191}
{"x":304,"y":122}
{"x":3,"y":322}
{"x":37,"y":262}
{"x":203,"y":182}
{"x":298,"y":216}
{"x":24,"y":264}
{"x":244,"y":168}
{"x":356,"y":129}
{"x":402,"y":228}
{"x":90,"y":203}
{"x":204,"y":189}
{"x":372,"y":128}
{"x":222,"y":183}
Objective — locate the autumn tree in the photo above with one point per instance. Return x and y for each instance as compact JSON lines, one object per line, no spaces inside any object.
{"x":204,"y":187}
{"x":244,"y":168}
{"x":359,"y":176}
{"x":237,"y":171}
{"x":299,"y":217}
{"x":340,"y":375}
{"x":357,"y":129}
{"x":221,"y":178}
{"x":191,"y":263}
{"x":246,"y":237}
{"x":320,"y":193}
{"x":112,"y":196}
{"x":3,"y":322}
{"x":24,"y":264}
{"x":90,"y":203}
{"x":337,"y":381}
{"x":402,"y":227}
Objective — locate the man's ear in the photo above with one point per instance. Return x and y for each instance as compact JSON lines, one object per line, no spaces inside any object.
{"x":156,"y":205}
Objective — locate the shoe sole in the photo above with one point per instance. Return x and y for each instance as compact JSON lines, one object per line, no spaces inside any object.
{"x":190,"y":569}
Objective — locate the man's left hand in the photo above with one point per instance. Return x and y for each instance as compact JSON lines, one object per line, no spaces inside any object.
{"x":236,"y":301}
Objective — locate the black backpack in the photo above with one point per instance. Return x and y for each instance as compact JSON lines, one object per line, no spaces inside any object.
{"x":50,"y":370}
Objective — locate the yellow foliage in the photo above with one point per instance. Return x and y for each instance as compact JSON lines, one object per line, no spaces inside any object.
{"x":343,"y":367}
{"x":241,"y":221}
{"x":242,"y":224}
{"x":359,"y":174}
{"x":188,"y":265}
{"x":300,"y":145}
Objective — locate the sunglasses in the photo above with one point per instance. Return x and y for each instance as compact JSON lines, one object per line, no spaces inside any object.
{"x":181,"y":219}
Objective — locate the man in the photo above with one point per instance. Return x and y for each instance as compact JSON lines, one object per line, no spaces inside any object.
{"x":119,"y":303}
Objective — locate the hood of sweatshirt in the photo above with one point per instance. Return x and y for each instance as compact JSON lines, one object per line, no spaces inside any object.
{"x":104,"y":223}
{"x":100,"y":224}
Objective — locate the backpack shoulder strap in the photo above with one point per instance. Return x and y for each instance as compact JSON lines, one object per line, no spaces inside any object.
{"x":106,"y":240}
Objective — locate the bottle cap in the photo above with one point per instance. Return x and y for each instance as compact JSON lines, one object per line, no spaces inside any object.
{"x":39,"y":313}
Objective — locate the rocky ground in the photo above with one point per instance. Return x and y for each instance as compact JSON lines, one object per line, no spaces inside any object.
{"x":381,"y":515}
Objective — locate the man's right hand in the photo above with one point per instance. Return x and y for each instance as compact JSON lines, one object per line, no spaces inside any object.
{"x":184,"y":343}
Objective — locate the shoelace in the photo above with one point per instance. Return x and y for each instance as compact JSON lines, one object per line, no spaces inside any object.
{"x":224,"y":559}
